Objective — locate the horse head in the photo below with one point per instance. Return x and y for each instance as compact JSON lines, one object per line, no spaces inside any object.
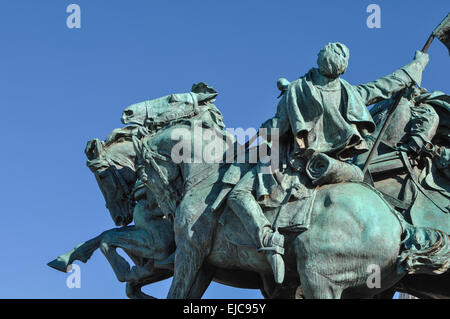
{"x":156,"y":113}
{"x":113,"y":163}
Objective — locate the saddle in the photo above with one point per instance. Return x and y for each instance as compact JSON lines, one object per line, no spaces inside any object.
{"x":289,"y":204}
{"x":424,"y":202}
{"x":391,"y":163}
{"x":290,"y":217}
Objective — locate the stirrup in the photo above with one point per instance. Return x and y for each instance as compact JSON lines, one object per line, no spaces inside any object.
{"x":275,"y":249}
{"x":275,"y":243}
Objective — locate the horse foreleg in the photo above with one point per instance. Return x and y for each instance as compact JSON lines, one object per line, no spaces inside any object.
{"x":138,"y":272}
{"x":133,"y":289}
{"x":202,"y":282}
{"x":134,"y":244}
{"x":83,"y":251}
{"x":193,"y":238}
{"x":119,"y":265}
{"x":268,"y":285}
{"x":188,"y":262}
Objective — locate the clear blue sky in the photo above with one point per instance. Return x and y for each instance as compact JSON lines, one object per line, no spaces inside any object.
{"x":60,"y":88}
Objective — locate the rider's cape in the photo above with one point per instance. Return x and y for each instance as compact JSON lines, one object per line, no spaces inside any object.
{"x":302,"y":112}
{"x":327,"y":129}
{"x":336,"y":131}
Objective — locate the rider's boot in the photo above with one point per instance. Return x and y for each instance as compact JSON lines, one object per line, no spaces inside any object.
{"x":273,"y":246}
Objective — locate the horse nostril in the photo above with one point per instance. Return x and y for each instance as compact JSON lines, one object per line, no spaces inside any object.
{"x":119,"y":220}
{"x":128,"y":112}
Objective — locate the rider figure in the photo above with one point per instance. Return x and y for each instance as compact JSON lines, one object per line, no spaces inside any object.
{"x":318,"y":113}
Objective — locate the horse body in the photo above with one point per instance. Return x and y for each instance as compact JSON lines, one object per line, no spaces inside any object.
{"x":322,"y":251}
{"x":421,"y":190}
{"x":342,"y":225}
{"x":350,"y":236}
{"x":353,"y":236}
{"x":401,"y":177}
{"x":332,"y":264}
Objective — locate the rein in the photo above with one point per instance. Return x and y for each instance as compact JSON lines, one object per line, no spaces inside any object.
{"x":417,"y":184}
{"x":111,"y":165}
{"x":126,"y":190}
{"x":165,"y":193}
{"x":156,"y":124}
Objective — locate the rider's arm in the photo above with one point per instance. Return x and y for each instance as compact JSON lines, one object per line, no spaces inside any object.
{"x":424,"y":123}
{"x":384,"y":87}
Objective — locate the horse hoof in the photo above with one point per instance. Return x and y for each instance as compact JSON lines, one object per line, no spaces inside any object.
{"x":59,"y":263}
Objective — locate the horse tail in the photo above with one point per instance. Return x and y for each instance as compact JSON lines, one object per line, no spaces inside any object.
{"x":424,"y":251}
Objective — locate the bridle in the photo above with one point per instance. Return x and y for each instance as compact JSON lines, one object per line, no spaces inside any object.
{"x":119,"y":180}
{"x":154,"y":125}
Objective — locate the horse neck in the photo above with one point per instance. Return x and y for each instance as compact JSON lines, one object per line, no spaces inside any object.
{"x":194,"y":162}
{"x":123,"y":156}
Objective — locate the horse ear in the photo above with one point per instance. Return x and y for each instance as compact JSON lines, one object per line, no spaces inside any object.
{"x":205,"y":93}
{"x":93,"y":149}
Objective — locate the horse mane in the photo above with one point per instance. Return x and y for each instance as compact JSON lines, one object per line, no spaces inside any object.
{"x":99,"y":154}
{"x":125,"y":133}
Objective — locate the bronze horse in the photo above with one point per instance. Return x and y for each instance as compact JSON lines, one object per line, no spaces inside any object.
{"x":332,"y":258}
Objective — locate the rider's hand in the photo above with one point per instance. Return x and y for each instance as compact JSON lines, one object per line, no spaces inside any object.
{"x":415,"y":146}
{"x":410,"y":147}
{"x":422,"y":58}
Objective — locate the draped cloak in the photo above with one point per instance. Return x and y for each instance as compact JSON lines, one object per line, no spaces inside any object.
{"x":335,"y":131}
{"x":327,"y":128}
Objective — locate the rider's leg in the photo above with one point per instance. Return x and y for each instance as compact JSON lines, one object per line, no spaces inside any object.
{"x":194,"y":227}
{"x":245,"y":206}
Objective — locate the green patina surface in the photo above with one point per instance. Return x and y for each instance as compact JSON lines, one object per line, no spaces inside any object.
{"x":311,"y":219}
